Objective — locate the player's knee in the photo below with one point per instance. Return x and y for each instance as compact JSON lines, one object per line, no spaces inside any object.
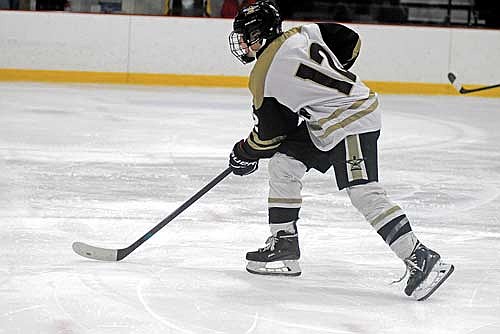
{"x":368,"y":198}
{"x":283,"y":167}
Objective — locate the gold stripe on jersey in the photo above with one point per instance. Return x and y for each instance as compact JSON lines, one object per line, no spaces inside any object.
{"x":257,"y":140}
{"x":355,"y":51}
{"x":314,"y":126}
{"x":340,"y":111}
{"x":262,"y":145}
{"x":351,"y":119}
{"x":259,"y":71}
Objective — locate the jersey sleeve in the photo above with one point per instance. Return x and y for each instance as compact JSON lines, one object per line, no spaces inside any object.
{"x":343,"y":41}
{"x":273,"y":121}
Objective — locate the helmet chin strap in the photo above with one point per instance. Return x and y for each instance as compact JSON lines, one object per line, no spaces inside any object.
{"x":253,"y":53}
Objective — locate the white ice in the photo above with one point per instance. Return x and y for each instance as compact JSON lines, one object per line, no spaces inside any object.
{"x":104,"y":164}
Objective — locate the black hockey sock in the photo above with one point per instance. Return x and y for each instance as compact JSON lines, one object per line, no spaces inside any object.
{"x":283,"y":219}
{"x":398,"y":234}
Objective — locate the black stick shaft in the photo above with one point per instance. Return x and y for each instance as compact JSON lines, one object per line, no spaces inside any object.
{"x":122,"y":253}
{"x":462,"y":90}
{"x":465,"y":90}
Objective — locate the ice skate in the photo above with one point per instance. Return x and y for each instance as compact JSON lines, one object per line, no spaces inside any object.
{"x":279,"y":257}
{"x":427,"y":272}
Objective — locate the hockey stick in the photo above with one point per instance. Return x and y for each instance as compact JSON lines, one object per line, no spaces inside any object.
{"x":107,"y":254}
{"x":458,"y":86}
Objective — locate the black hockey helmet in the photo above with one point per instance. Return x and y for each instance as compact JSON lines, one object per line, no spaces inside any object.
{"x":254,"y":23}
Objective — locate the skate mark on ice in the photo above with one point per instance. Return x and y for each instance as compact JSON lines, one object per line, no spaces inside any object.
{"x":29,"y":308}
{"x":490,"y":194}
{"x":254,"y":324}
{"x":100,"y":288}
{"x":55,"y":296}
{"x":204,"y":305}
{"x":306,"y":328}
{"x":491,"y":328}
{"x":7,"y":275}
{"x":159,"y":318}
{"x":194,"y":328}
{"x":478,"y":287}
{"x":457,"y":132}
{"x":476,"y":197}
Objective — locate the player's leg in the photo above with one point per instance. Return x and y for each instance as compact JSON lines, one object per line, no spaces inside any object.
{"x":427,"y":271}
{"x":297,"y":154}
{"x":359,"y":175}
{"x":281,"y":254}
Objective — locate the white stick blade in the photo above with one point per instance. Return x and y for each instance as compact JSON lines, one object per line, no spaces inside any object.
{"x":453,"y":80}
{"x":95,"y":253}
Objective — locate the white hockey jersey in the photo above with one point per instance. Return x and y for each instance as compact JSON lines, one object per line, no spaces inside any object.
{"x":301,"y":73}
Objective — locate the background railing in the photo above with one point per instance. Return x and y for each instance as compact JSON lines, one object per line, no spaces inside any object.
{"x":468,"y":13}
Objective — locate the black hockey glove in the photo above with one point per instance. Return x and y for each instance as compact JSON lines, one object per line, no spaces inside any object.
{"x":239,"y":165}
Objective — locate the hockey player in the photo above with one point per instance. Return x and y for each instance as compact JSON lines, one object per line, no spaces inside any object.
{"x":310,"y":111}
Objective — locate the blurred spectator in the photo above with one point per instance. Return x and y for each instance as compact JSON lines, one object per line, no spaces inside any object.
{"x":391,"y":11}
{"x":9,"y":4}
{"x":296,"y":9}
{"x":286,"y":8}
{"x":245,"y":3}
{"x":489,"y":11}
{"x":212,"y":7}
{"x":184,"y":7}
{"x":172,"y":7}
{"x":51,"y":4}
{"x":230,"y":7}
{"x":341,"y":12}
{"x":193,"y":7}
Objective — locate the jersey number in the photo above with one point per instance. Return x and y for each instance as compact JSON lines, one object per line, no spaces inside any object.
{"x":309,"y":73}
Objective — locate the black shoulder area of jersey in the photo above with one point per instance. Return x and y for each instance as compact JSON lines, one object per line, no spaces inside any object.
{"x":343,"y":41}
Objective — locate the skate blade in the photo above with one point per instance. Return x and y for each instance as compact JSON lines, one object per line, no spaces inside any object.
{"x":438,"y":275}
{"x":276,"y":268}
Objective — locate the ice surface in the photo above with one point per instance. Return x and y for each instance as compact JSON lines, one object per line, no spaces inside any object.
{"x":104,"y":164}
